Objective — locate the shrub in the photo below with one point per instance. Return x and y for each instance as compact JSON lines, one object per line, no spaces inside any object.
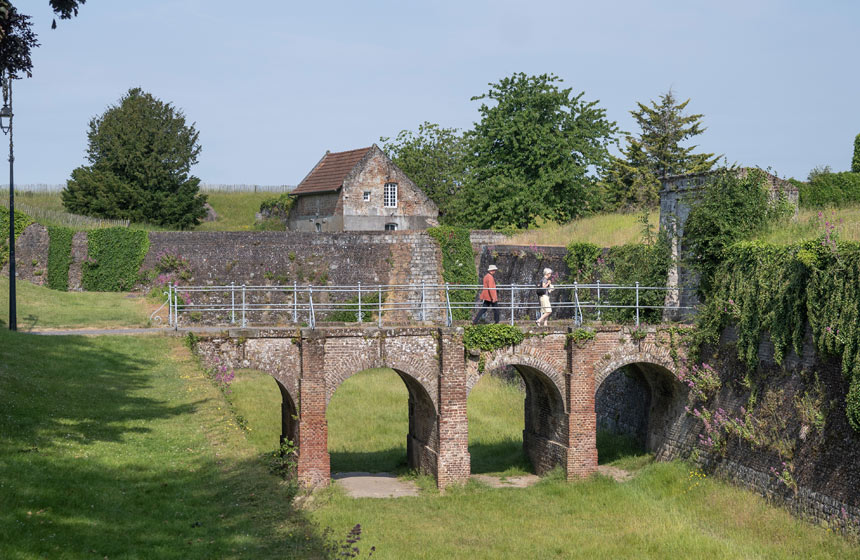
{"x":458,"y":264}
{"x":830,"y":189}
{"x":490,"y":337}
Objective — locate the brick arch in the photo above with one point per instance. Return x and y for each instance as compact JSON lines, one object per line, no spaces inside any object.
{"x":535,"y":359}
{"x":646,"y":353}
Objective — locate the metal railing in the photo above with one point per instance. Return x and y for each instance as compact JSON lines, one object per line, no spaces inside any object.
{"x":437,"y":303}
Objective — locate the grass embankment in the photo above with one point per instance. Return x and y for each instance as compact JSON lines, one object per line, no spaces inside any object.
{"x":810,"y":225}
{"x":604,"y":230}
{"x":43,"y":308}
{"x":667,"y":510}
{"x":119,"y":447}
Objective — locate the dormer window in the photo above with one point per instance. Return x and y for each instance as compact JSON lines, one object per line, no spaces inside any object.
{"x":389,"y":199}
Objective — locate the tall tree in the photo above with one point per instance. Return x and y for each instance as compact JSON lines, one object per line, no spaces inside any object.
{"x":17,"y":41}
{"x":434,"y":158}
{"x":532,"y":154}
{"x":633,"y":180}
{"x":140,"y":153}
{"x":855,"y":161}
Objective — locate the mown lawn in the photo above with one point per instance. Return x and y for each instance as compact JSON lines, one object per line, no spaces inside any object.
{"x":235,"y":211}
{"x":119,"y":447}
{"x":43,"y":308}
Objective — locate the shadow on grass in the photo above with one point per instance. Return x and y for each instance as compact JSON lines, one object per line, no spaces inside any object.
{"x":64,"y":497}
{"x":614,"y":447}
{"x":391,"y":460}
{"x":499,"y":456}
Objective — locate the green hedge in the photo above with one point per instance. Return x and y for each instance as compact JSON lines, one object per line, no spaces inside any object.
{"x":21,"y":223}
{"x":830,"y":189}
{"x":458,"y":264}
{"x":59,"y":257}
{"x":114,"y":259}
{"x":777,"y":290}
{"x":490,"y":337}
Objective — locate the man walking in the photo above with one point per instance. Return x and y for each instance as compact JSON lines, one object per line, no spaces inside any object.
{"x":489,"y":296}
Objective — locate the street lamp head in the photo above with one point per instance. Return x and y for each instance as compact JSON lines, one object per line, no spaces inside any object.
{"x":5,"y":118}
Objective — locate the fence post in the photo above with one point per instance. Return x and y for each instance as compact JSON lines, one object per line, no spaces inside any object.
{"x":512,"y":305}
{"x":176,"y":306}
{"x":450,"y":316}
{"x":359,"y":303}
{"x":577,"y":312}
{"x":243,"y":306}
{"x":379,"y":307}
{"x":295,"y":303}
{"x":170,"y":303}
{"x":232,"y":302}
{"x":311,"y":315}
{"x":598,"y":300}
{"x":637,"y":304}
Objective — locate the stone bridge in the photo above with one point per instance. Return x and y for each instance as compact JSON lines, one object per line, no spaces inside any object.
{"x":561,"y":376}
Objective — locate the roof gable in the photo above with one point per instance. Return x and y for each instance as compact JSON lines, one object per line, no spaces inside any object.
{"x":329,"y":173}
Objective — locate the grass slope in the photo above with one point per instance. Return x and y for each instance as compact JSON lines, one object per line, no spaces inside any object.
{"x":119,"y":447}
{"x":43,"y":308}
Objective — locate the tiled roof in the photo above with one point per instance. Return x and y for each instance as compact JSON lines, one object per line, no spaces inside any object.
{"x":329,"y":174}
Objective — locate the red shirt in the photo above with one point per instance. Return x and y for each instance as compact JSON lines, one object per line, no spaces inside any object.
{"x":489,"y":293}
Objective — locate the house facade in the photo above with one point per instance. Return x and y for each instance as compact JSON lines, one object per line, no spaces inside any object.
{"x":359,"y":190}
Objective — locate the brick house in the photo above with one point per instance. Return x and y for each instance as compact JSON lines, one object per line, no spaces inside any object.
{"x":359,"y":190}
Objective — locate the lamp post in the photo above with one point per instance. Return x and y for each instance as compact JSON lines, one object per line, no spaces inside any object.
{"x":6,"y":126}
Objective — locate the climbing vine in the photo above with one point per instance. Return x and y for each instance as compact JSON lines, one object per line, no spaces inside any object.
{"x":777,"y":290}
{"x":59,"y":257}
{"x":114,"y":259}
{"x":458,"y":264}
{"x":490,"y":337}
{"x":21,"y":223}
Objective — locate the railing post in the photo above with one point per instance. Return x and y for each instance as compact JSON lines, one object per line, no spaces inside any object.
{"x":598,"y":300}
{"x":450,"y":316}
{"x":512,"y":305}
{"x":170,"y":303}
{"x":637,"y":304}
{"x":379,"y":307}
{"x":311,"y":315}
{"x":176,"y":306}
{"x":359,"y":303}
{"x":243,"y":306}
{"x":232,"y":302}
{"x":577,"y":312}
{"x":295,"y":303}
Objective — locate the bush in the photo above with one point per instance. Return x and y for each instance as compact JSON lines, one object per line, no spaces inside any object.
{"x":59,"y":257}
{"x":114,"y":259}
{"x":830,"y":189}
{"x":490,"y":337}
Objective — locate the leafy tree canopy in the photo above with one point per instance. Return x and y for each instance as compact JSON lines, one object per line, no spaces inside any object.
{"x":633,"y":181}
{"x":140,"y":153}
{"x":855,"y":161}
{"x":533,"y":154}
{"x":434,"y":158}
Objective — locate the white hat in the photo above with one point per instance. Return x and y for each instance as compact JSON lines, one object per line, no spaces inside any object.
{"x":492,"y":268}
{"x":547,"y":271}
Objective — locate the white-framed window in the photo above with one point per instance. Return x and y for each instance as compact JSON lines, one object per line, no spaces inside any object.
{"x":390,"y":227}
{"x":389,"y":199}
{"x":367,"y":196}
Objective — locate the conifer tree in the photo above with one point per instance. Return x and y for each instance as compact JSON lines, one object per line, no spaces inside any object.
{"x":633,"y":181}
{"x":855,"y":161}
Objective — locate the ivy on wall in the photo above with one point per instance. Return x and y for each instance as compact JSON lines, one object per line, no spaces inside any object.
{"x":625,"y":265}
{"x":114,"y":259}
{"x":59,"y":257}
{"x":778,"y":290}
{"x":458,"y":264}
{"x":21,"y":223}
{"x":490,"y":337}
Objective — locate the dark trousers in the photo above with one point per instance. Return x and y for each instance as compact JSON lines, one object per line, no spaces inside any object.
{"x":487,"y":304}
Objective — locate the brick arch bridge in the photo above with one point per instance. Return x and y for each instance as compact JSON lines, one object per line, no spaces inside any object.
{"x":561,"y":379}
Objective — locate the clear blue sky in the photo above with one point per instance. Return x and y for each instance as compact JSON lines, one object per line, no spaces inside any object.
{"x":273,"y":84}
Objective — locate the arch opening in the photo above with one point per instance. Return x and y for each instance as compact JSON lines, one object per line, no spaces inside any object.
{"x":634,"y":406}
{"x":501,"y":439}
{"x":368,"y":415}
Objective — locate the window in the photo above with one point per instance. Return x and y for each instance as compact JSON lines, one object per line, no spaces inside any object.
{"x":367,"y":196}
{"x":319,"y":226}
{"x":390,"y":227}
{"x":390,"y":196}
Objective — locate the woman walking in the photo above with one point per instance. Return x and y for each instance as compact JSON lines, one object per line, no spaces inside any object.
{"x":544,"y":289}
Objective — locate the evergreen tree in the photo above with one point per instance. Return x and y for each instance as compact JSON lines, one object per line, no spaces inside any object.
{"x":532,"y":155}
{"x":855,"y":161}
{"x":140,"y":154}
{"x":633,"y":181}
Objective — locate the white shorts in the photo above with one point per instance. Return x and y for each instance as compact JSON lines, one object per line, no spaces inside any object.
{"x":545,"y":306}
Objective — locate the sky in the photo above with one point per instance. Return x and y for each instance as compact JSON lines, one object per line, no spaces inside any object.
{"x":272,"y":84}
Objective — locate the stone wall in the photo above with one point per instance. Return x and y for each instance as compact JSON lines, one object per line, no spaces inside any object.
{"x":31,"y":255}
